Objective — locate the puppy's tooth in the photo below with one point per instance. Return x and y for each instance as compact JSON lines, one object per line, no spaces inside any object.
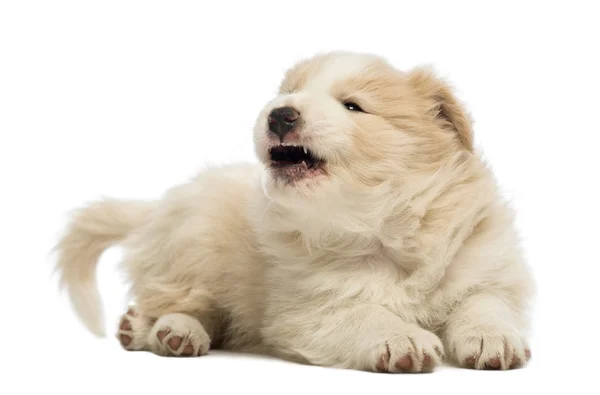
{"x":305,"y":151}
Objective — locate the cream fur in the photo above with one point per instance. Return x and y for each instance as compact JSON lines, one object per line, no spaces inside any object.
{"x":403,"y":252}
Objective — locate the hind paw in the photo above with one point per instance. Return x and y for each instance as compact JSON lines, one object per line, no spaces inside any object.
{"x":133,"y":330}
{"x":179,"y":335}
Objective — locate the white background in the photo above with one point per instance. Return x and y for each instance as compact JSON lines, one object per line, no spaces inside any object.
{"x":127,"y":99}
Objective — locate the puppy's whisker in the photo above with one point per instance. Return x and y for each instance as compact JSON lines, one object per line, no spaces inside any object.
{"x":266,"y":209}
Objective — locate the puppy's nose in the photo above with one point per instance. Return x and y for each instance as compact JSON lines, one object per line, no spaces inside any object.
{"x":283,"y":120}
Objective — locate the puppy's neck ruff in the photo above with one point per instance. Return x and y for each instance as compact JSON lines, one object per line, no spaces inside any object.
{"x":404,"y":221}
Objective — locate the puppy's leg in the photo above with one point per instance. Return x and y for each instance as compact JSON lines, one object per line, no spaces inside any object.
{"x":171,"y":335}
{"x":180,"y":335}
{"x":482,"y":334}
{"x":366,"y":337}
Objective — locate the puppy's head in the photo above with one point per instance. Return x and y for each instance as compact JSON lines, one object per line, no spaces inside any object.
{"x":346,"y":122}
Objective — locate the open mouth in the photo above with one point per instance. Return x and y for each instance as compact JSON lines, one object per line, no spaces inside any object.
{"x":288,"y":155}
{"x":294,"y":162}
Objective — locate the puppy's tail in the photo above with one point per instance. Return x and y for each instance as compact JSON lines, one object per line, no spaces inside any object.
{"x":92,"y":230}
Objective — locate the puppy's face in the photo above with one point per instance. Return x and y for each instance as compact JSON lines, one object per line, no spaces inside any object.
{"x":344,"y":122}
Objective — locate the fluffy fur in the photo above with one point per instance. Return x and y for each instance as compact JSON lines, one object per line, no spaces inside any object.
{"x":402,"y":253}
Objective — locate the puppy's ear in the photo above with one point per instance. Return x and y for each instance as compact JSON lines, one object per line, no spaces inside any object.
{"x":443,"y":104}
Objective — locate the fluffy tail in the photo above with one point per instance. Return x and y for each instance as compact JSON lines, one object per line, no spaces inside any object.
{"x":92,"y":230}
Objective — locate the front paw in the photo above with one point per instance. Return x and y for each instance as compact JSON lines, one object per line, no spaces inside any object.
{"x":490,"y":349}
{"x":416,"y":351}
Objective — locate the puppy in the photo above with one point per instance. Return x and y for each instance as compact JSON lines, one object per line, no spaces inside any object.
{"x":369,"y":236}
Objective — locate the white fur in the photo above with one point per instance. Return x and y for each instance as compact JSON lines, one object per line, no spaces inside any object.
{"x":402,"y":253}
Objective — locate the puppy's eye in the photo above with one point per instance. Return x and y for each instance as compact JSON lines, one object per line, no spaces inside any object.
{"x":352,"y":106}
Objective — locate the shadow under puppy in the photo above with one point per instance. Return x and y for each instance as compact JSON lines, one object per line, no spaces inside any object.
{"x":368,"y":236}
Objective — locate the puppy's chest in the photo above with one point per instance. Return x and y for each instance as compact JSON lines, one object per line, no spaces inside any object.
{"x":361,"y":280}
